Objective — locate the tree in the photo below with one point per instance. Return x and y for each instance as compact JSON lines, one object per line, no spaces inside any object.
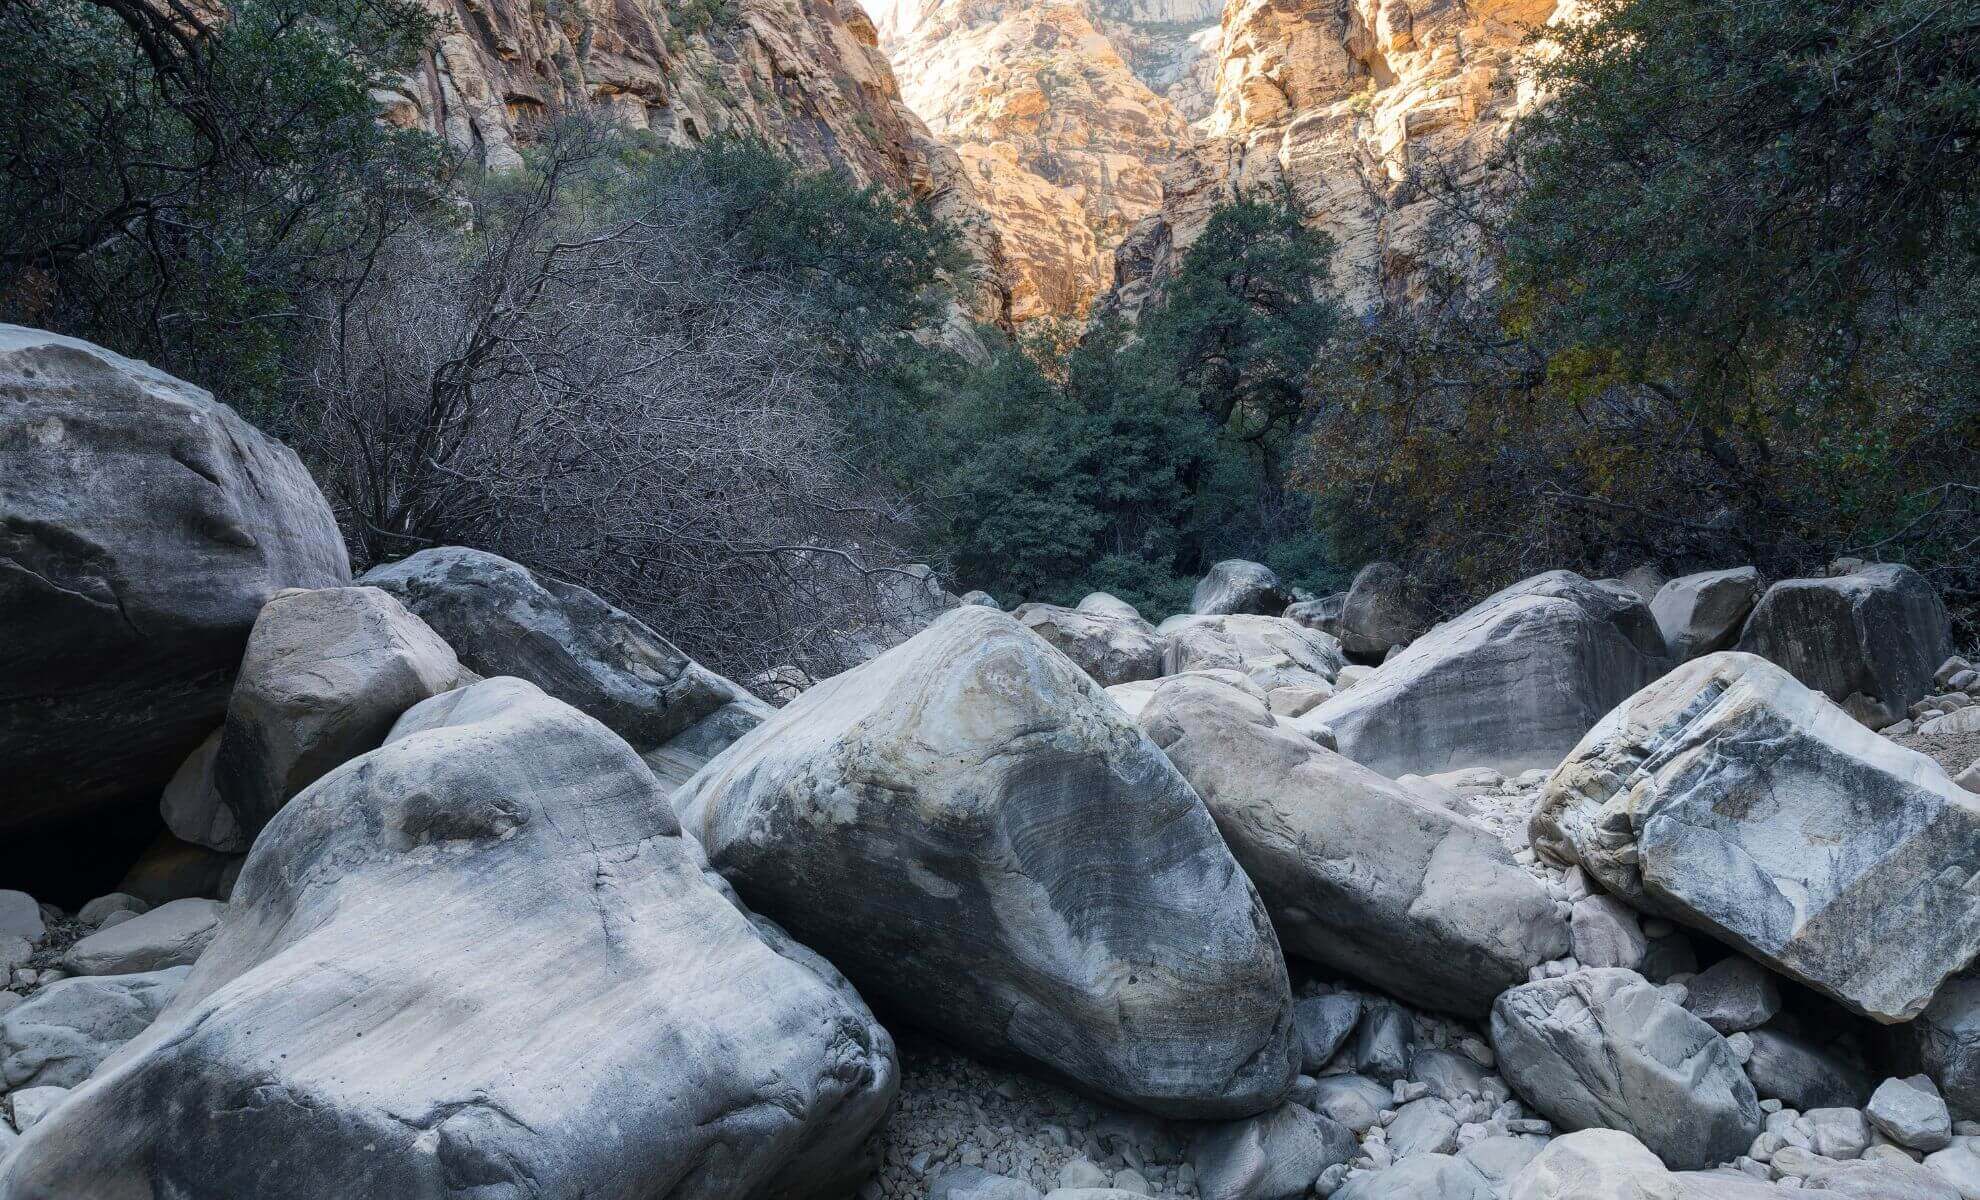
{"x":174,"y":180}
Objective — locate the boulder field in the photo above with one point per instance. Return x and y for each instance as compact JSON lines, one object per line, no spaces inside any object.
{"x":478,"y":887}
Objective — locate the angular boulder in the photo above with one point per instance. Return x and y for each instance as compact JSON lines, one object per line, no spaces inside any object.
{"x":1236,"y":585}
{"x":66,"y":1030}
{"x":1878,"y":632}
{"x":1108,"y":605}
{"x":1510,"y":684}
{"x":1323,"y":614}
{"x":1276,"y":1156}
{"x":969,"y":828}
{"x":1107,"y":645}
{"x":482,"y":961}
{"x":1360,"y":874}
{"x":325,"y":674}
{"x":142,"y":526}
{"x":171,"y":935}
{"x":1944,"y":1042}
{"x":1608,"y":1164}
{"x":1699,"y":614}
{"x":1606,"y":1049}
{"x":1272,"y":651}
{"x":504,"y":619}
{"x":1729,"y":797}
{"x":1381,"y":611}
{"x":1803,"y":1075}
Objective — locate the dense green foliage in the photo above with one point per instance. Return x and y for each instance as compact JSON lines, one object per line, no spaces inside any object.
{"x":1130,"y":459}
{"x":174,"y":190}
{"x":1737,"y":291}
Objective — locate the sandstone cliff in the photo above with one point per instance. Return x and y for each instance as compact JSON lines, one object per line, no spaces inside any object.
{"x":806,"y":75}
{"x":1063,"y":140}
{"x":1354,"y":106}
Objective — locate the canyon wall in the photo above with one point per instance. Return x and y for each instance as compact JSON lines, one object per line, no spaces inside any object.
{"x":807,"y":76}
{"x":1064,"y":142}
{"x":1368,"y":113}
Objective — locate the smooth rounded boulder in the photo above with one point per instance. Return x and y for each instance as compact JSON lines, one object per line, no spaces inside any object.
{"x":481,"y":960}
{"x":1606,"y":1049}
{"x":1237,"y":585}
{"x":1360,"y":874}
{"x":978,"y":836}
{"x":1109,"y":645}
{"x":66,"y":1030}
{"x":142,"y":526}
{"x":1702,"y":613}
{"x":325,"y":675}
{"x":503,"y":619}
{"x":1878,"y":632}
{"x":1512,"y":683}
{"x":1731,"y":798}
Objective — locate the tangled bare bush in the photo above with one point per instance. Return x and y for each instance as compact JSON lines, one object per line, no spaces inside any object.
{"x":583,"y":378}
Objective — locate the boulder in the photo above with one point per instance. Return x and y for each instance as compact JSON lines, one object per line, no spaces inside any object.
{"x":978,"y":597}
{"x":1360,"y":874}
{"x":171,"y":935}
{"x":1238,"y":586}
{"x":1271,"y":651}
{"x":1606,"y":933}
{"x":1701,"y":613}
{"x":1911,"y":1113}
{"x":676,"y":760}
{"x":1453,"y":1076}
{"x":1510,"y":684}
{"x":1381,"y":612}
{"x":1276,"y":1156}
{"x":1734,"y":995}
{"x":1944,"y":1042}
{"x":61,"y":1034}
{"x":969,"y":827}
{"x":1878,"y":632}
{"x":481,"y":960}
{"x":1732,"y":799}
{"x":142,"y":526}
{"x":1110,"y":647}
{"x":1424,"y":1177}
{"x":1383,"y":1041}
{"x":1799,"y":1073}
{"x":32,"y":1105}
{"x":1607,"y":1164}
{"x":1428,"y":1125}
{"x":503,"y":619}
{"x":1324,"y":1023}
{"x":93,"y":913}
{"x":325,"y":674}
{"x":1107,"y":604}
{"x":1606,"y":1049}
{"x":1355,"y":1101}
{"x":975,"y":1183}
{"x":1323,"y":614}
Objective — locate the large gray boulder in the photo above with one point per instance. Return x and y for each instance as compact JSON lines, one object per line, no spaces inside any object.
{"x":970,"y":829}
{"x":1323,"y":614}
{"x":1803,"y":1074}
{"x":503,"y":619}
{"x":1729,"y":797}
{"x":1422,"y":1177}
{"x":1510,"y":684}
{"x":1606,"y":1049}
{"x":1272,"y":652}
{"x":1944,"y":1042}
{"x":1701,"y":613}
{"x":482,"y":961}
{"x":1236,"y":585}
{"x":325,"y":674}
{"x":142,"y":526}
{"x":1360,"y":874}
{"x":66,"y":1030}
{"x":1111,"y":647}
{"x":1878,"y":632}
{"x":1608,"y":1164}
{"x":1381,"y":611}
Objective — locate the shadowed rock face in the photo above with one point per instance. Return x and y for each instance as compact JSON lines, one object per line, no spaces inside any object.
{"x":1729,"y":797}
{"x":973,"y":832}
{"x":1878,"y":632}
{"x":1359,"y":874}
{"x":481,"y":961}
{"x":142,"y":526}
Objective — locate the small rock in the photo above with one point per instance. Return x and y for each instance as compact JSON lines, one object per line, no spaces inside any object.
{"x":1324,"y":1022}
{"x":32,"y":1104}
{"x":170,"y":935}
{"x":1382,"y":1042}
